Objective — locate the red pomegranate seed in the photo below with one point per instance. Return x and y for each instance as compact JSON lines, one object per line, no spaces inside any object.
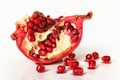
{"x":78,"y":71}
{"x":49,"y":49}
{"x":42,"y":17}
{"x":67,"y":61}
{"x":30,"y":30}
{"x":95,"y":55}
{"x":48,"y":42}
{"x":52,"y":39}
{"x":40,"y":68}
{"x":92,"y":64}
{"x":88,"y":57}
{"x":106,"y":59}
{"x":74,"y":64}
{"x":42,"y":45}
{"x":71,"y":56}
{"x":36,"y":21}
{"x":61,"y":69}
{"x":31,"y":37}
{"x":29,"y":24}
{"x":54,"y":34}
{"x":40,"y":30}
{"x":41,"y":24}
{"x":42,"y":52}
{"x":53,"y":45}
{"x":36,"y":14}
{"x":36,"y":56}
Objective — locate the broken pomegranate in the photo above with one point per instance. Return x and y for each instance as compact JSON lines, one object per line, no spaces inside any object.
{"x":46,"y":40}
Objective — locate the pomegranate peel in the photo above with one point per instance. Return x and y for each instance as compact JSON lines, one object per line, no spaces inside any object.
{"x":59,"y":37}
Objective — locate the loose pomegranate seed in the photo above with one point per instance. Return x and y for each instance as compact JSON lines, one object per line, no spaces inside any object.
{"x":78,"y":71}
{"x":88,"y":57}
{"x":71,"y":56}
{"x":95,"y":55}
{"x":67,"y":61}
{"x":74,"y":64}
{"x":92,"y":64}
{"x":40,"y":68}
{"x":42,"y":52}
{"x":106,"y":59}
{"x":61,"y":69}
{"x":31,"y":37}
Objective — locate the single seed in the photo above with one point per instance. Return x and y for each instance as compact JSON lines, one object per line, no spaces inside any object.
{"x":78,"y":71}
{"x":92,"y":64}
{"x":88,"y":57}
{"x":29,"y":24}
{"x":40,"y":68}
{"x":42,"y":45}
{"x":71,"y":56}
{"x":74,"y":64}
{"x":53,"y":45}
{"x":31,"y":37}
{"x":30,"y":30}
{"x":106,"y":59}
{"x":95,"y":55}
{"x":67,"y":61}
{"x":42,"y":52}
{"x":49,"y":49}
{"x":48,"y":42}
{"x":61,"y":69}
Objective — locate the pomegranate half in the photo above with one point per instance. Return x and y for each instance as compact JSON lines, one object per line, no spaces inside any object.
{"x":46,"y":40}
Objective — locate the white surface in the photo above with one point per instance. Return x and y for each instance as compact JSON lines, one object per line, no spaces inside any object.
{"x":101,"y":34}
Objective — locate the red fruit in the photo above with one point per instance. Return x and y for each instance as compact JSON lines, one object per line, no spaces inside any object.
{"x":92,"y":64}
{"x":95,"y":55}
{"x":74,"y":64}
{"x":62,"y":36}
{"x":106,"y":59}
{"x":71,"y":56}
{"x":31,"y":37}
{"x":88,"y":57}
{"x":40,"y":68}
{"x":61,"y":69}
{"x":78,"y":71}
{"x":67,"y":61}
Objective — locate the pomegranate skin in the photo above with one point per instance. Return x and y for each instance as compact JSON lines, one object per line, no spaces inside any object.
{"x":20,"y":37}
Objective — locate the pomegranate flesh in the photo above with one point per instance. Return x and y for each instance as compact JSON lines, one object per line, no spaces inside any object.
{"x":46,"y":40}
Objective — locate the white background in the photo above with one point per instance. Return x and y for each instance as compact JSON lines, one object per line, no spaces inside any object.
{"x":100,"y":34}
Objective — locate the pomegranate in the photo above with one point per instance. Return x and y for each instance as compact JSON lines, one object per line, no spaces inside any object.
{"x":46,"y":40}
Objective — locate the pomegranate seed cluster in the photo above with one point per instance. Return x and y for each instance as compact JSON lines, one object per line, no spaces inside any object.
{"x":38,"y":23}
{"x":71,"y":63}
